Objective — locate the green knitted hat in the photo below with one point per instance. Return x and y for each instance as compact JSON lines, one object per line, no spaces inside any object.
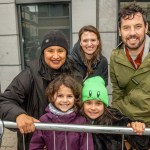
{"x":94,"y":89}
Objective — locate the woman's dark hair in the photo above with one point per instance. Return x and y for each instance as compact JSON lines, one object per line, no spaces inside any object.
{"x":129,"y":12}
{"x":68,"y":81}
{"x":97,"y":53}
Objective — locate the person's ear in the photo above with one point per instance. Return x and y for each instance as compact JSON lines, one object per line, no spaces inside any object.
{"x":98,"y":42}
{"x":80,"y":43}
{"x":119,"y":32}
{"x":146,"y":28}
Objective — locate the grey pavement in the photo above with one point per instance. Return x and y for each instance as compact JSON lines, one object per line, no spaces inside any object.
{"x":9,"y":140}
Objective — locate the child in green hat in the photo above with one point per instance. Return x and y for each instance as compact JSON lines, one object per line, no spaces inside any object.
{"x":95,"y":107}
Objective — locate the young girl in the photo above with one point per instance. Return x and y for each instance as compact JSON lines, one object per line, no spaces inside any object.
{"x":95,"y":108}
{"x":64,"y":95}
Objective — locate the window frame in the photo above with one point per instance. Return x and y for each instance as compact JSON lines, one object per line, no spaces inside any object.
{"x":39,"y":1}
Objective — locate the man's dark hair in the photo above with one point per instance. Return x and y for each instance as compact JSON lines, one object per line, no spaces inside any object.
{"x":129,"y":11}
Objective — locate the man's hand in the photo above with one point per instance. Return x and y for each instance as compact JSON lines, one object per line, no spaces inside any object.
{"x":25,"y":123}
{"x":137,"y":127}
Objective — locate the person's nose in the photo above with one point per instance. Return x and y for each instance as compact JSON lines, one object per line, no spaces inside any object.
{"x":93,"y":107}
{"x":55,"y":55}
{"x":89,"y":43}
{"x":132,"y":31}
{"x":65,"y":99}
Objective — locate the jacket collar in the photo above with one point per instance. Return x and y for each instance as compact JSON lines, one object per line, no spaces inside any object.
{"x":121,"y":58}
{"x":67,"y":118}
{"x":55,"y":111}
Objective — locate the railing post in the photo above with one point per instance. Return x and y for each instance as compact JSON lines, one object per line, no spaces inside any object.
{"x":122,"y":141}
{"x":1,"y":131}
{"x":0,"y":87}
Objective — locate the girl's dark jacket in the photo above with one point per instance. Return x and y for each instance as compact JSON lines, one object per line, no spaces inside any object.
{"x":25,"y":94}
{"x":114,"y":141}
{"x":100,"y":67}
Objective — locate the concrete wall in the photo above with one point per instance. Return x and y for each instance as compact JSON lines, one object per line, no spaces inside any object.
{"x":83,"y":13}
{"x":108,"y":29}
{"x":9,"y":57}
{"x":9,"y":43}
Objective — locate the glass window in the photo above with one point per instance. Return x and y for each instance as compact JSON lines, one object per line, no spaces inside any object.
{"x":36,"y":20}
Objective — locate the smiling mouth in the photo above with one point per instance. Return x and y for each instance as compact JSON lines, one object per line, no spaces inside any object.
{"x":56,"y":61}
{"x":132,"y":39}
{"x":64,"y":105}
{"x":90,"y":48}
{"x":93,"y":113}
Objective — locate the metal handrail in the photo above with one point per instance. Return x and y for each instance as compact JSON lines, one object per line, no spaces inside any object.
{"x":80,"y":128}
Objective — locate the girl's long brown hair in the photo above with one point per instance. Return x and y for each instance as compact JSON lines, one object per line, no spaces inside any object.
{"x":106,"y":118}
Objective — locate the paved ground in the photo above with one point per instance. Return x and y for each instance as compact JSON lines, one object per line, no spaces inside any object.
{"x":9,"y":140}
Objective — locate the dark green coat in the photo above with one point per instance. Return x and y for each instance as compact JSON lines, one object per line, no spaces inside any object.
{"x":136,"y":103}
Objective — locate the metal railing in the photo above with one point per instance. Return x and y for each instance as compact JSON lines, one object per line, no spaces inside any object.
{"x":75,"y":128}
{"x":80,"y":128}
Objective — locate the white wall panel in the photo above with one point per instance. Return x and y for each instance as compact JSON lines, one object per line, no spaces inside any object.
{"x":108,"y":15}
{"x":9,"y":50}
{"x":7,"y":73}
{"x":83,"y":13}
{"x":7,"y":1}
{"x":8,"y":23}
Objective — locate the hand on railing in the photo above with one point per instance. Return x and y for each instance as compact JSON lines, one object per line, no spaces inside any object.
{"x":138,"y":127}
{"x":25,"y":123}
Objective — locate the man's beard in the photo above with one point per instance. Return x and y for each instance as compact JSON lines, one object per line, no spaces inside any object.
{"x":136,"y":47}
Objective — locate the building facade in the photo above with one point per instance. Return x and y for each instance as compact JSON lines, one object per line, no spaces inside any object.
{"x":24,"y":22}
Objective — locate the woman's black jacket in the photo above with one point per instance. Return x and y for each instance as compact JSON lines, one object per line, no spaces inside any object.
{"x":25,"y":94}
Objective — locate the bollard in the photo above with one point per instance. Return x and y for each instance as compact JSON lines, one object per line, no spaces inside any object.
{"x":1,"y":131}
